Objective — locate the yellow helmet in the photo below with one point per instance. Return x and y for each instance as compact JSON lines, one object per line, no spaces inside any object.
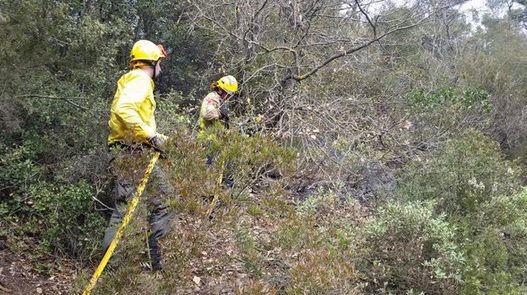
{"x":146,"y":50}
{"x":228,"y":83}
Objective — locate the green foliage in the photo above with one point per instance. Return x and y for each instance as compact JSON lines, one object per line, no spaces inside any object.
{"x":17,"y":169}
{"x":406,"y":248}
{"x":60,"y":215}
{"x":248,"y":158}
{"x":256,"y":162}
{"x":472,"y":184}
{"x":467,"y":172}
{"x":63,"y":216}
{"x":322,"y":202}
{"x":425,"y":101}
{"x":494,"y":240}
{"x":250,"y":252}
{"x":17,"y":172}
{"x":498,"y":65}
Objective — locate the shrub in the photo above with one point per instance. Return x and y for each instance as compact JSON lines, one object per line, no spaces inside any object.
{"x":405,"y":248}
{"x":17,"y":172}
{"x":256,"y":162}
{"x":495,"y":240}
{"x":17,"y":169}
{"x":324,"y":201}
{"x":472,"y":98}
{"x":59,"y":215}
{"x":63,"y":216}
{"x":465,"y":173}
{"x":471,"y":183}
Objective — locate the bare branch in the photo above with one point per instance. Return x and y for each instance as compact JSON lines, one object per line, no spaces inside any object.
{"x":253,"y":18}
{"x":373,"y":26}
{"x":360,"y":47}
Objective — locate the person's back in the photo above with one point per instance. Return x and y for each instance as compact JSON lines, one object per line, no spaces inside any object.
{"x":132,"y":112}
{"x":210,"y":110}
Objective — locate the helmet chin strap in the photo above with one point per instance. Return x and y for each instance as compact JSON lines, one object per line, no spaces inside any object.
{"x":154,"y":65}
{"x":223,"y":94}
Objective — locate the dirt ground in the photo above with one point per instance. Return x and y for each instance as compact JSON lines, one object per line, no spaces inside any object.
{"x":18,"y":276}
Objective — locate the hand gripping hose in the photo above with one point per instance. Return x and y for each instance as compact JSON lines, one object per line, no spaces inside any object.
{"x":126,"y":219}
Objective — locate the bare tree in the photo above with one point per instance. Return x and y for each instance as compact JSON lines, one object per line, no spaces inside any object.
{"x":285,"y":52}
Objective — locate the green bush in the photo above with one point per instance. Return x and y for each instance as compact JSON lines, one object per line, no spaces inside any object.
{"x":63,"y":216}
{"x":59,"y":215}
{"x":495,"y":240}
{"x":17,"y":172}
{"x":425,"y":101}
{"x":439,"y":115}
{"x":471,"y":183}
{"x":251,"y":161}
{"x":406,"y":248}
{"x":324,"y":201}
{"x":464,"y":174}
{"x":17,"y":169}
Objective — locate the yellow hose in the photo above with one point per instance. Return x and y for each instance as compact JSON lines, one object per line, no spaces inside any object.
{"x":126,"y":219}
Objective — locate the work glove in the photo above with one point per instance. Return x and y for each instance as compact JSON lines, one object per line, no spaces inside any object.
{"x":224,"y":110}
{"x":158,"y":142}
{"x":224,"y":115}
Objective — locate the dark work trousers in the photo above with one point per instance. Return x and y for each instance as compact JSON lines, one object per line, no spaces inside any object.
{"x":227,"y":178}
{"x":128,"y":167}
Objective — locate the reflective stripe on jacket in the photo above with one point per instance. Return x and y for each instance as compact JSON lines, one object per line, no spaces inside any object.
{"x":132,"y":113}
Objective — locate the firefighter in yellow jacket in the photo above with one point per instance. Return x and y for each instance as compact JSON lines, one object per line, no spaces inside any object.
{"x":132,"y":141}
{"x":215,"y":112}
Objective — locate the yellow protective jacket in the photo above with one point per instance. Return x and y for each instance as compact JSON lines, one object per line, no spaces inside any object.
{"x":132,"y":113}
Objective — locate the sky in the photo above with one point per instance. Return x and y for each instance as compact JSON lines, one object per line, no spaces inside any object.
{"x":481,"y":8}
{"x":473,"y":9}
{"x":479,"y":5}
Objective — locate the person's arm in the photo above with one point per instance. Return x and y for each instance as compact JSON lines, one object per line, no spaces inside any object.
{"x":133,"y":94}
{"x":224,"y":115}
